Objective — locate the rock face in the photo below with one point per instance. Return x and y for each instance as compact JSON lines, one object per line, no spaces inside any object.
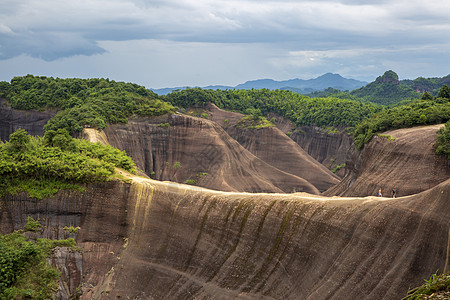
{"x":161,"y":240}
{"x":186,"y":149}
{"x":101,"y":214}
{"x":274,"y":147}
{"x":327,"y":147}
{"x":12,"y":119}
{"x":409,"y":164}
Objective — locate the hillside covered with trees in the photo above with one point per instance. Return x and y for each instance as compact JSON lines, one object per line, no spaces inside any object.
{"x":94,"y":102}
{"x":41,"y":166}
{"x":98,"y":102}
{"x":425,"y":111}
{"x":301,"y":110}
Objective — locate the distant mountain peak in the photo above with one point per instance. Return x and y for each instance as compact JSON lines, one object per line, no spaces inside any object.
{"x":302,"y":86}
{"x":388,"y":76}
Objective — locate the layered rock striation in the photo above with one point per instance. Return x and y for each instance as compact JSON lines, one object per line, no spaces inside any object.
{"x":12,"y":119}
{"x":162,"y":240}
{"x":402,"y":159}
{"x":187,"y":149}
{"x":274,"y":147}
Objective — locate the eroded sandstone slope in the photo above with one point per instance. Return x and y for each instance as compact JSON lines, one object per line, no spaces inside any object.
{"x":404,"y":159}
{"x":162,"y":240}
{"x":12,"y":119}
{"x":274,"y":147}
{"x":187,"y":149}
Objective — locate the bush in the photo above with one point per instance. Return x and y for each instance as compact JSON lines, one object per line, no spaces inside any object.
{"x":92,"y":102}
{"x":443,"y":140}
{"x":56,"y":161}
{"x":24,"y":272}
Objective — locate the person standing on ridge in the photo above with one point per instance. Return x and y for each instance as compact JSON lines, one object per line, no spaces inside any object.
{"x":393,"y":192}
{"x":379,"y":193}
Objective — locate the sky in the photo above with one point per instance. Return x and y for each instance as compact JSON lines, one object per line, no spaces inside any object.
{"x":170,"y":43}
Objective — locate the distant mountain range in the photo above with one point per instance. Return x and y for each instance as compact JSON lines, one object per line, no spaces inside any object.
{"x":300,"y":86}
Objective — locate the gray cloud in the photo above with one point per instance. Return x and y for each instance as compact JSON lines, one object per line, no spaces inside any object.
{"x":279,"y":37}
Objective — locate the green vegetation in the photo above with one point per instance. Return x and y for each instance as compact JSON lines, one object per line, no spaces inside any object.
{"x":443,"y":140}
{"x":191,"y":181}
{"x":301,"y":110}
{"x":92,"y":102}
{"x":386,"y":136}
{"x":176,"y":165}
{"x":41,"y":166}
{"x":389,"y":90}
{"x":72,"y":229}
{"x":437,"y":285}
{"x":386,"y":90}
{"x":250,"y":122}
{"x":24,"y":272}
{"x":164,"y":125}
{"x":418,"y":112}
{"x":337,"y":168}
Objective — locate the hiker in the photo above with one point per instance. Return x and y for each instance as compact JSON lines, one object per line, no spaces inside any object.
{"x":379,"y":193}
{"x":393,"y":192}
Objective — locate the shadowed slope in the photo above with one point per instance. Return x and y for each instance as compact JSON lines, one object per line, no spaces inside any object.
{"x":161,"y":240}
{"x":220,"y":245}
{"x":12,"y":119}
{"x":181,"y":148}
{"x":274,"y":147}
{"x":403,"y":159}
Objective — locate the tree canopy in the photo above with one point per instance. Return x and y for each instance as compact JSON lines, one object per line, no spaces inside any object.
{"x":301,"y":110}
{"x":94,"y":102}
{"x":43,"y":165}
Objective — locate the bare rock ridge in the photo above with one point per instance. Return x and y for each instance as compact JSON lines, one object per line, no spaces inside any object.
{"x":271,"y":145}
{"x":403,"y":159}
{"x":12,"y":119}
{"x":328,"y":148}
{"x":182,"y":148}
{"x":163,"y":240}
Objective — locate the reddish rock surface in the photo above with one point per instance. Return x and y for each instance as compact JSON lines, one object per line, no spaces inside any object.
{"x":274,"y":147}
{"x":161,"y":240}
{"x":409,"y":164}
{"x":12,"y":119}
{"x":187,"y":147}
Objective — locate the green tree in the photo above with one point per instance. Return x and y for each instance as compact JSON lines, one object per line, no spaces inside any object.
{"x":427,"y":96}
{"x":444,"y":92}
{"x":19,"y":139}
{"x":443,"y":140}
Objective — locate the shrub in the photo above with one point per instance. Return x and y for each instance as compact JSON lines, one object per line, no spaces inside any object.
{"x":191,"y":181}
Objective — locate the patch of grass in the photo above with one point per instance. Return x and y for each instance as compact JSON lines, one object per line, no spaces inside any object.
{"x":191,"y":181}
{"x":251,"y":122}
{"x":436,"y":285}
{"x":337,"y":168}
{"x":386,"y":136}
{"x":72,"y":229}
{"x":164,"y":125}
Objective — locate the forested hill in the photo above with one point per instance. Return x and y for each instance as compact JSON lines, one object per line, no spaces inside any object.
{"x":301,"y":110}
{"x":97,"y":102}
{"x":389,"y":90}
{"x":93,"y":102}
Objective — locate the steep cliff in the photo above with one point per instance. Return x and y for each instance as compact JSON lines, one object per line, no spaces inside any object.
{"x":12,"y":119}
{"x":327,"y":146}
{"x":403,"y":159}
{"x":274,"y":147}
{"x":186,"y":149}
{"x":161,"y":240}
